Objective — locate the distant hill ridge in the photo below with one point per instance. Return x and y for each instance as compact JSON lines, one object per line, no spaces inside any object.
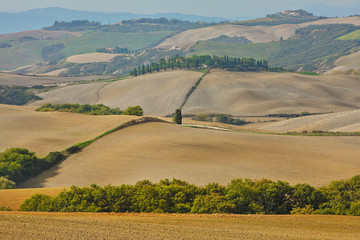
{"x":39,"y":18}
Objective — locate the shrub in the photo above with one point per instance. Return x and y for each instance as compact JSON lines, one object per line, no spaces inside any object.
{"x":38,"y":202}
{"x":137,"y":111}
{"x":2,"y":208}
{"x":6,"y":183}
{"x":213,"y":203}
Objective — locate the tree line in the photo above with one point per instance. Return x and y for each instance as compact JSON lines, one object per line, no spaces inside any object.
{"x":98,"y":109}
{"x":240,"y":196}
{"x":205,"y":61}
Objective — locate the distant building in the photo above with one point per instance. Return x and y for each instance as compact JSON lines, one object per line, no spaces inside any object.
{"x":46,"y":38}
{"x":292,"y":13}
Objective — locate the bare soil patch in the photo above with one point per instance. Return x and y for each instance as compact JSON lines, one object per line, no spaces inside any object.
{"x":158,"y":94}
{"x":92,"y":57}
{"x":44,"y":132}
{"x":156,"y":151}
{"x":259,"y":94}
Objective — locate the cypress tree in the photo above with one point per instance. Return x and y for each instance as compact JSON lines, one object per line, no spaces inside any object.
{"x":178,"y":117}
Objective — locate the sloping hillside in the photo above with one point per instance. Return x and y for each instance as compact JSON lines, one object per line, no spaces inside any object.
{"x":23,"y":80}
{"x":348,"y":121}
{"x":253,"y":33}
{"x":257,"y":94}
{"x":44,"y":132}
{"x":158,"y":94}
{"x":156,"y":151}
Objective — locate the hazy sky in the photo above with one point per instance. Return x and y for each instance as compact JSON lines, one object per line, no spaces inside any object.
{"x":224,"y":8}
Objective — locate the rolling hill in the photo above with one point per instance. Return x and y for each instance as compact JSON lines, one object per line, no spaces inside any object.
{"x":255,"y":34}
{"x":258,"y":94}
{"x":156,"y":151}
{"x":348,"y":121}
{"x":45,"y":132}
{"x":158,"y":94}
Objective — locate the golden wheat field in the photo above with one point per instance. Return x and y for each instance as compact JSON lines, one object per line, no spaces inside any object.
{"x":174,"y":226}
{"x":44,"y":132}
{"x":156,"y":151}
{"x":158,"y":94}
{"x":91,"y":57}
{"x":258,"y":94}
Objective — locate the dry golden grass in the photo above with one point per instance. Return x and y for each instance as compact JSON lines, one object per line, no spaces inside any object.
{"x":15,"y":225}
{"x":43,"y":132}
{"x":91,"y":57}
{"x":258,"y":94}
{"x":13,"y":198}
{"x":253,"y":33}
{"x":158,"y":94}
{"x":156,"y":151}
{"x":23,"y":80}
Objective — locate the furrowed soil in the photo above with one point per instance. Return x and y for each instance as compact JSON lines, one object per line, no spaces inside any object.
{"x":158,"y":94}
{"x":258,"y":94}
{"x":20,"y":225}
{"x":44,"y":132}
{"x":156,"y":151}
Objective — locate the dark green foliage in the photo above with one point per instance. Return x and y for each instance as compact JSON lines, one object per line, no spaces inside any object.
{"x":153,"y":25}
{"x":26,"y":39}
{"x":314,"y":46}
{"x":136,"y":111}
{"x":2,"y":208}
{"x":98,"y":109}
{"x":226,"y":39}
{"x":6,"y":183}
{"x":19,"y":164}
{"x":221,"y":118}
{"x":73,"y":149}
{"x":75,"y":25}
{"x":206,"y":61}
{"x":178,"y":117}
{"x":291,"y":115}
{"x":115,"y":50}
{"x":241,"y":196}
{"x":52,"y":53}
{"x":4,"y":45}
{"x":16,"y":95}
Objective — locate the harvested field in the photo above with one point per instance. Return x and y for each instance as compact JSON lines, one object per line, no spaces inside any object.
{"x":43,"y":132}
{"x":91,"y":57}
{"x":13,"y":198}
{"x":253,"y":33}
{"x":14,"y":225}
{"x":158,"y":94}
{"x":24,"y":80}
{"x":258,"y":94}
{"x":156,"y":151}
{"x":348,"y":121}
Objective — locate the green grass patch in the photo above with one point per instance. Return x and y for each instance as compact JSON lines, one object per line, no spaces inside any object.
{"x":309,"y":73}
{"x":250,"y":50}
{"x":355,"y":35}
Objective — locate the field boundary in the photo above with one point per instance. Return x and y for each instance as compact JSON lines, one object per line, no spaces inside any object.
{"x":193,"y":88}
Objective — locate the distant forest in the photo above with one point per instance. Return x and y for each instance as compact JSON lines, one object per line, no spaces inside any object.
{"x":126,"y":26}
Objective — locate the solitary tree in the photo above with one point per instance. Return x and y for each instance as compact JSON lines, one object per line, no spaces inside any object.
{"x":178,"y":117}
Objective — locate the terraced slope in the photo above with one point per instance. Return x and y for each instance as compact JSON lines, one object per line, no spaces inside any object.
{"x":156,"y":151}
{"x":253,"y":33}
{"x":348,"y":121}
{"x":158,"y":94}
{"x":258,"y":94}
{"x":51,"y":131}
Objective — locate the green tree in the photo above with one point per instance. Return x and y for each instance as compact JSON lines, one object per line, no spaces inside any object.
{"x":137,"y":111}
{"x":178,"y":117}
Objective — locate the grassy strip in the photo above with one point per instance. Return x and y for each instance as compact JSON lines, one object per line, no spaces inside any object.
{"x":194,"y":88}
{"x":79,"y":146}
